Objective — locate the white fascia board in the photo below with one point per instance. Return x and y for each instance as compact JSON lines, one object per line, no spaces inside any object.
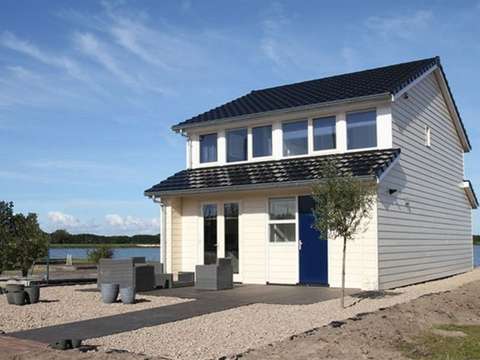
{"x":390,"y":167}
{"x":467,"y":187}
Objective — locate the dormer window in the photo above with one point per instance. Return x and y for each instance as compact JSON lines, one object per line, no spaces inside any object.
{"x":208,"y":148}
{"x":295,"y":138}
{"x":361,"y":130}
{"x":237,"y":145}
{"x":262,"y":141}
{"x":324,"y":133}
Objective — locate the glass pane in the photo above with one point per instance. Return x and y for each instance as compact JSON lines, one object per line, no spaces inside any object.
{"x":231,"y":234}
{"x":324,"y":133}
{"x":362,"y":130}
{"x":282,"y":209}
{"x":208,"y":148}
{"x":237,"y":145}
{"x":282,"y":232}
{"x":262,"y":141}
{"x":295,"y":138}
{"x":210,"y":234}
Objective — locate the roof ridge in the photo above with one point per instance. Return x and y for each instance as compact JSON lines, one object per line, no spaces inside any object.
{"x":435,"y":58}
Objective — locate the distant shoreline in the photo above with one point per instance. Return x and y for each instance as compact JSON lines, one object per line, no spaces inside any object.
{"x":80,"y":246}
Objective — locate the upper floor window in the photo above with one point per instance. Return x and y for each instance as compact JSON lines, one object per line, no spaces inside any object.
{"x":208,"y":148}
{"x":324,"y":134}
{"x":361,"y":130}
{"x":295,"y":138}
{"x":236,"y":145}
{"x":262,"y":141}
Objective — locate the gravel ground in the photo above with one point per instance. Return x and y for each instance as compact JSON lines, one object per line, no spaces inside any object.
{"x":64,"y":304}
{"x":238,"y":330}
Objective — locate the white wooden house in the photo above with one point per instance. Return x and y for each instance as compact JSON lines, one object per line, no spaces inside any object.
{"x":245,"y":192}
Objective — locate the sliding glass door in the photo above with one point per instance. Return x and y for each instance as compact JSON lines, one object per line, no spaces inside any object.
{"x":209,"y":234}
{"x":230,"y":213}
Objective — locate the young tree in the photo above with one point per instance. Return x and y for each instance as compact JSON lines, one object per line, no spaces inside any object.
{"x":6,"y":215}
{"x":21,"y":239}
{"x":341,"y":203}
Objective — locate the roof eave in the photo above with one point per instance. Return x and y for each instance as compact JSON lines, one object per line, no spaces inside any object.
{"x":472,"y":197}
{"x":377,"y":97}
{"x":264,"y":186}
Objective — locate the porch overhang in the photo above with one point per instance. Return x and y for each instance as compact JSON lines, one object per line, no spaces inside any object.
{"x":296,"y":172}
{"x":470,"y":193}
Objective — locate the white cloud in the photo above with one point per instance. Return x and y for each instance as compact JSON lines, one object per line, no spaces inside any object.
{"x":9,"y":40}
{"x":111,"y":224}
{"x":63,"y":220}
{"x":130,"y":223}
{"x":402,"y":26}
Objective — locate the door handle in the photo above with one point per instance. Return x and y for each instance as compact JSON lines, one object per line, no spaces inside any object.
{"x":300,"y":243}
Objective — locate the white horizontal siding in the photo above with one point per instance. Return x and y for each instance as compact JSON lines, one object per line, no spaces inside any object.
{"x":361,"y":266}
{"x":424,"y":228}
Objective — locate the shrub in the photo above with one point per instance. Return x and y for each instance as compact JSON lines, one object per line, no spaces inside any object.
{"x":102,"y":252}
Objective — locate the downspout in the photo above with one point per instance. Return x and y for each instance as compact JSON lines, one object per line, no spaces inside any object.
{"x":163,"y":232}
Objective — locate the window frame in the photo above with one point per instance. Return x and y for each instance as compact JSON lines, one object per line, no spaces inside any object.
{"x":308,"y":121}
{"x":246,"y":128}
{"x":321,"y":151}
{"x":293,"y":221}
{"x":206,"y":163}
{"x":375,"y":110}
{"x":251,"y":128}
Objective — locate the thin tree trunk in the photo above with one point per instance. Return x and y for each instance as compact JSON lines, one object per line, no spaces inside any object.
{"x":343,"y":271}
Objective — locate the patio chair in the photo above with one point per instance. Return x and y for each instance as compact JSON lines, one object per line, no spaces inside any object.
{"x":132,"y":272}
{"x":162,"y":280}
{"x":217,"y":276}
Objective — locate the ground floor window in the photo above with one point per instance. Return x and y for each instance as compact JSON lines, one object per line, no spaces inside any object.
{"x":282,"y":223}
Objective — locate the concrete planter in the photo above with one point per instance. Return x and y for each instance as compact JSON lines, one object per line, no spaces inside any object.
{"x":109,"y":293}
{"x":33,"y":294}
{"x":14,"y":287}
{"x":16,"y":297}
{"x":127,"y":295}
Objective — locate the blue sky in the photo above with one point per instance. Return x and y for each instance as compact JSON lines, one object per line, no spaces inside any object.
{"x":89,"y":90}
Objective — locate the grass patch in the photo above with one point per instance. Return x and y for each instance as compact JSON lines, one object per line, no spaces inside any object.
{"x":83,"y":246}
{"x":430,"y":346}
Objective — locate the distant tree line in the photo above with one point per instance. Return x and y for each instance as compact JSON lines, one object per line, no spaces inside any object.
{"x":64,"y":237}
{"x":476,"y":239}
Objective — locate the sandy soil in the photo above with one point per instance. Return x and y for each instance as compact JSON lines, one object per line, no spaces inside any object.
{"x":238,"y":330}
{"x":63,"y":304}
{"x":379,"y":335}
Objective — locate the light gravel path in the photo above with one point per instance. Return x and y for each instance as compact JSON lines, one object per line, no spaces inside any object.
{"x":64,"y":304}
{"x":237,"y":330}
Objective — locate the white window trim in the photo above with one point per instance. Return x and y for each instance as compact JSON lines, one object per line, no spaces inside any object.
{"x":250,"y":144}
{"x":249,"y":131}
{"x":312,"y":137}
{"x":309,"y":140}
{"x":347,"y":150}
{"x":383,"y":127}
{"x":198,"y":151}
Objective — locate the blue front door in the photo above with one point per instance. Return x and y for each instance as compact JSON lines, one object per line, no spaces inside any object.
{"x":313,"y":248}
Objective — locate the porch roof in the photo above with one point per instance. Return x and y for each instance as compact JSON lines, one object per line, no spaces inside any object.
{"x":288,"y":172}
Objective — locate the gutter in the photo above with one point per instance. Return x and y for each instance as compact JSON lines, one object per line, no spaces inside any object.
{"x":376,"y":97}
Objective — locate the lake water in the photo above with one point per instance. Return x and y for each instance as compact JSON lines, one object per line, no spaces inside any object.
{"x":153,"y":254}
{"x":150,"y":253}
